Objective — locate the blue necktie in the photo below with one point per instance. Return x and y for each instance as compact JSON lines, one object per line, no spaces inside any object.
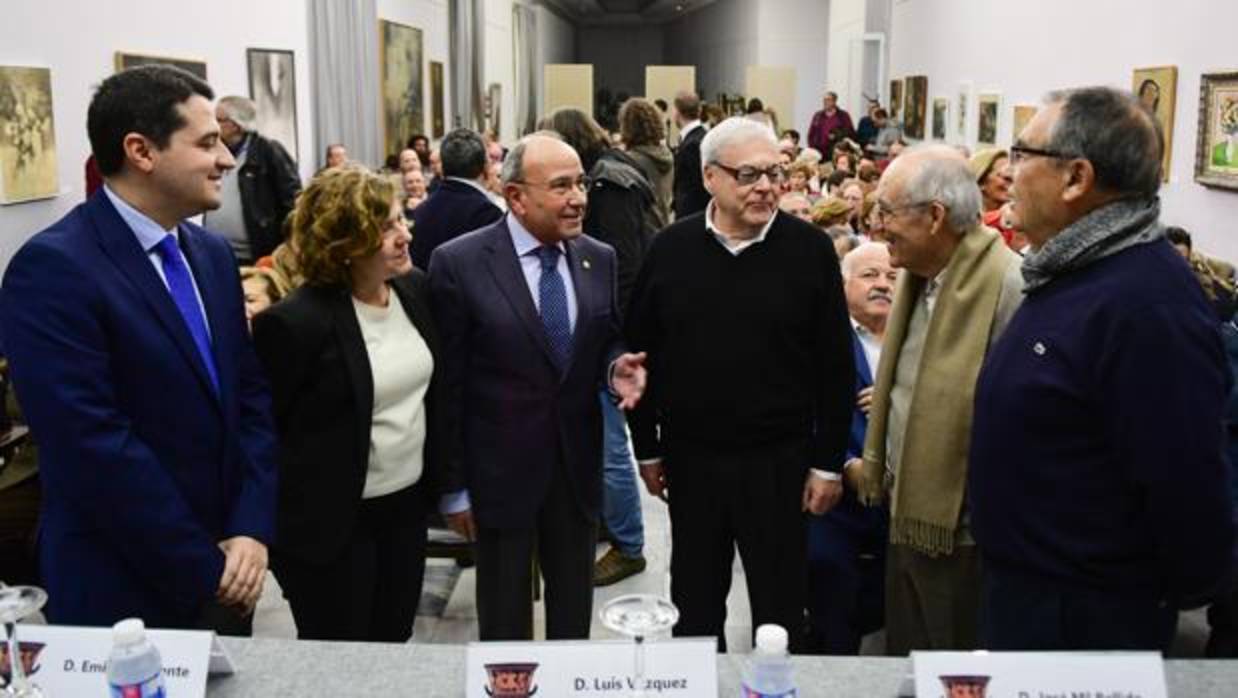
{"x":180,"y":285}
{"x":552,"y":303}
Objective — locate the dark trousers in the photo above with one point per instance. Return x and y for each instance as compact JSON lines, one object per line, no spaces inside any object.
{"x":846,"y":576}
{"x":932,"y":603}
{"x":225,"y":621}
{"x":563,"y":540}
{"x":722,"y":498}
{"x":19,"y":519}
{"x":1022,"y":613}
{"x":370,"y":590}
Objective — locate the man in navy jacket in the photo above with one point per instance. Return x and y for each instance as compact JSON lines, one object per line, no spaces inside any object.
{"x":1099,"y":489}
{"x":460,"y":203}
{"x":126,"y":335}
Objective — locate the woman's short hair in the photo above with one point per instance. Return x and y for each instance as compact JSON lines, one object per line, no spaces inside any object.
{"x":640,"y":123}
{"x":339,"y":218}
{"x":272,"y":286}
{"x":831,"y":211}
{"x":578,"y":130}
{"x":800,"y":167}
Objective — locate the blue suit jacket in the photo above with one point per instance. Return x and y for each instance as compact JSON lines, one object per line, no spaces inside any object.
{"x":145,"y":469}
{"x":452,"y":210}
{"x":512,"y":420}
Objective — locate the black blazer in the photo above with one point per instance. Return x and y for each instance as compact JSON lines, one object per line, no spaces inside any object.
{"x":452,"y":210}
{"x":269,"y":184}
{"x":512,"y":419}
{"x":323,"y":397}
{"x":690,"y":194}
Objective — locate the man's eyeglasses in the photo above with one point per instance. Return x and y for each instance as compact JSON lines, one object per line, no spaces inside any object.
{"x":1020,"y":153}
{"x":563,"y":185}
{"x":747,"y":176}
{"x":885,"y":212}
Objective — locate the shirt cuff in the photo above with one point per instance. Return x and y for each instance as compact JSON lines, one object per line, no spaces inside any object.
{"x":826,"y":475}
{"x":648,"y":461}
{"x":454,"y":502}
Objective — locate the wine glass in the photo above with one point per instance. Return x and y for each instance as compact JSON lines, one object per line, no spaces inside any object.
{"x":638,"y":616}
{"x":16,"y":603}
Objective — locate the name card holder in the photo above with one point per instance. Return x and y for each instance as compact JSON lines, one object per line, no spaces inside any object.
{"x":1039,"y":674}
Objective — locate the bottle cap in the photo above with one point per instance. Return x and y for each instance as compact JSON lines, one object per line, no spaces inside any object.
{"x":129,"y":631}
{"x":771,"y":638}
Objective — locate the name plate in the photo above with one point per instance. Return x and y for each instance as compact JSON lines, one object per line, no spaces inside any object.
{"x":72,"y":661}
{"x":677,"y":667}
{"x":1039,"y":674}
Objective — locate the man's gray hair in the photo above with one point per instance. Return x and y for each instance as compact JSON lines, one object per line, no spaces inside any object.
{"x":731,"y":132}
{"x":241,"y":110}
{"x":513,"y":164}
{"x":1111,"y":129}
{"x":848,"y":260}
{"x":948,"y":180}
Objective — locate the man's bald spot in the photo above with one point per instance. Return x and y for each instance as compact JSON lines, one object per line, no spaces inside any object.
{"x":864,"y":253}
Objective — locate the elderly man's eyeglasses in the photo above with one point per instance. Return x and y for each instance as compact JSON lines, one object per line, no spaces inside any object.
{"x":1020,"y":153}
{"x":563,"y":185}
{"x":747,"y":176}
{"x":885,"y":211}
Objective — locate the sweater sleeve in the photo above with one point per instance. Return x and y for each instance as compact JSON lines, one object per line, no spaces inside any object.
{"x":1164,"y":376}
{"x":836,"y":396}
{"x":644,"y":333}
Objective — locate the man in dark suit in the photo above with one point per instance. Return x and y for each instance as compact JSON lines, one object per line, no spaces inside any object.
{"x":460,"y":203}
{"x":125,"y":330}
{"x":690,"y":194}
{"x":846,"y":545}
{"x":529,"y":328}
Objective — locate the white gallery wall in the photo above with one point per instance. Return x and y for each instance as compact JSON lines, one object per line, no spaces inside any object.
{"x":619,"y":54}
{"x":721,"y":40}
{"x":796,"y":33}
{"x":1023,"y":50}
{"x":430,"y":16}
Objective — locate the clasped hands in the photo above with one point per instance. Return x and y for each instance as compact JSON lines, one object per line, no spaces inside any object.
{"x":245,"y":568}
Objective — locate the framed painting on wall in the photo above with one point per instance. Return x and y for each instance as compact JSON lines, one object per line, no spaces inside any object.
{"x":1216,"y":156}
{"x":494,"y":108}
{"x":896,"y":99}
{"x":273,"y":87}
{"x":988,"y":107}
{"x":27,"y":135}
{"x":1021,"y":116}
{"x":941,"y":117}
{"x":962,"y":106}
{"x":915,"y":106}
{"x":1157,"y":89}
{"x":438,"y":125}
{"x":399,"y":51}
{"x":128,"y":60}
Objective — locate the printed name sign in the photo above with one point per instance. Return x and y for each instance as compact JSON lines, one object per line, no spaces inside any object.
{"x":680,"y":668}
{"x":1039,"y":674}
{"x":72,"y":661}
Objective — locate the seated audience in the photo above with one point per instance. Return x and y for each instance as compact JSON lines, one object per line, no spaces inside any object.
{"x":350,"y":357}
{"x":796,"y":204}
{"x":853,"y":193}
{"x":866,"y":130}
{"x":992,"y":169}
{"x":831,"y":211}
{"x":800,"y":176}
{"x":1099,"y":490}
{"x":260,"y":290}
{"x":409,"y":160}
{"x":1216,"y":277}
{"x":337,"y":155}
{"x":413,"y":183}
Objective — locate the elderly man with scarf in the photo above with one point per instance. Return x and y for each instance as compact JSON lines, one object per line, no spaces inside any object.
{"x":1099,"y":488}
{"x":960,"y":287}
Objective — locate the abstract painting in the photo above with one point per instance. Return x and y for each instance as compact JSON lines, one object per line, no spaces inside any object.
{"x":438,"y":119}
{"x":988,"y":106}
{"x":941,"y":117}
{"x":915,"y":106}
{"x":129,"y":60}
{"x":896,"y":99}
{"x":27,"y":135}
{"x":273,"y":87}
{"x":400,"y":49}
{"x":963,"y":100}
{"x":1216,"y":157}
{"x":1157,"y":88}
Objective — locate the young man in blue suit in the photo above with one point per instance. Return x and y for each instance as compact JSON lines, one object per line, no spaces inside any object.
{"x":530,"y":328}
{"x":125,"y":330}
{"x":846,"y":545}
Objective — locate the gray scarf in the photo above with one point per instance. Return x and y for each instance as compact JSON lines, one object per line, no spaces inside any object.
{"x":1106,"y":231}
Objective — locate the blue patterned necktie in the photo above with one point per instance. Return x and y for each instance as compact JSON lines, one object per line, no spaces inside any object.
{"x":180,"y":285}
{"x":552,"y":303}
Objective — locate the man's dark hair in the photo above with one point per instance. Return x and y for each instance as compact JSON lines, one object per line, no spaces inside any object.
{"x":1112,"y":130}
{"x":1178,"y":236}
{"x":755,"y":106}
{"x":140,"y":100}
{"x":660,"y":103}
{"x":463,"y":154}
{"x":580,"y":131}
{"x":412,"y":140}
{"x":688,"y":105}
{"x":881,"y":113}
{"x":792,"y":134}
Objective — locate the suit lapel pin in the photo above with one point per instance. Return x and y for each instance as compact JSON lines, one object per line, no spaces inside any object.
{"x":585,"y":264}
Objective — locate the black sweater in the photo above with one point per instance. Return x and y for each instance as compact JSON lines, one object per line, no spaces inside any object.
{"x":745,"y":349}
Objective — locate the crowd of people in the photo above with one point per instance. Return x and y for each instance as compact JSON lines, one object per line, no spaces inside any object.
{"x":978,"y":400}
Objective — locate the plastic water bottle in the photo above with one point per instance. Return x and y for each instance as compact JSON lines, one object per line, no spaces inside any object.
{"x":134,"y":669}
{"x":769,"y":673}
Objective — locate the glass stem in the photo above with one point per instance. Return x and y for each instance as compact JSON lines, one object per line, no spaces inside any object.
{"x":639,"y":670}
{"x":17,"y":673}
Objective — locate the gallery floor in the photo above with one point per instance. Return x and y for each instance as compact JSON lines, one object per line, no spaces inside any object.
{"x":458,"y":620}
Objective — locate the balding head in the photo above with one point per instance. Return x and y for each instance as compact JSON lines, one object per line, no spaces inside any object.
{"x":934,"y":172}
{"x":868,"y":283}
{"x":544,"y":185}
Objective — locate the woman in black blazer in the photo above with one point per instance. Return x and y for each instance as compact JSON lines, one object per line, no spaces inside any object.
{"x":351,"y":357}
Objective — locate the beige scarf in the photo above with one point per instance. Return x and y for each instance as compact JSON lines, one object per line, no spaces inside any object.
{"x":932,"y":469}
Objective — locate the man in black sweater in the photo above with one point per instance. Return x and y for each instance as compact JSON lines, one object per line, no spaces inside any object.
{"x":748,"y":405}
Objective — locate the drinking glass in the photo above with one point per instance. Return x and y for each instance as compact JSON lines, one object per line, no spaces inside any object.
{"x":16,"y":603}
{"x":638,"y":616}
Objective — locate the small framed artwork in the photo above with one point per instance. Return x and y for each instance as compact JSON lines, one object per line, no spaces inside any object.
{"x":1021,"y":116}
{"x":1216,"y":157}
{"x":896,"y":99}
{"x":962,"y":111}
{"x":941,"y":118}
{"x":128,"y":60}
{"x":1157,"y":89}
{"x":27,"y":135}
{"x":915,"y":106}
{"x":273,"y":87}
{"x":988,"y":107}
{"x":437,"y":111}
